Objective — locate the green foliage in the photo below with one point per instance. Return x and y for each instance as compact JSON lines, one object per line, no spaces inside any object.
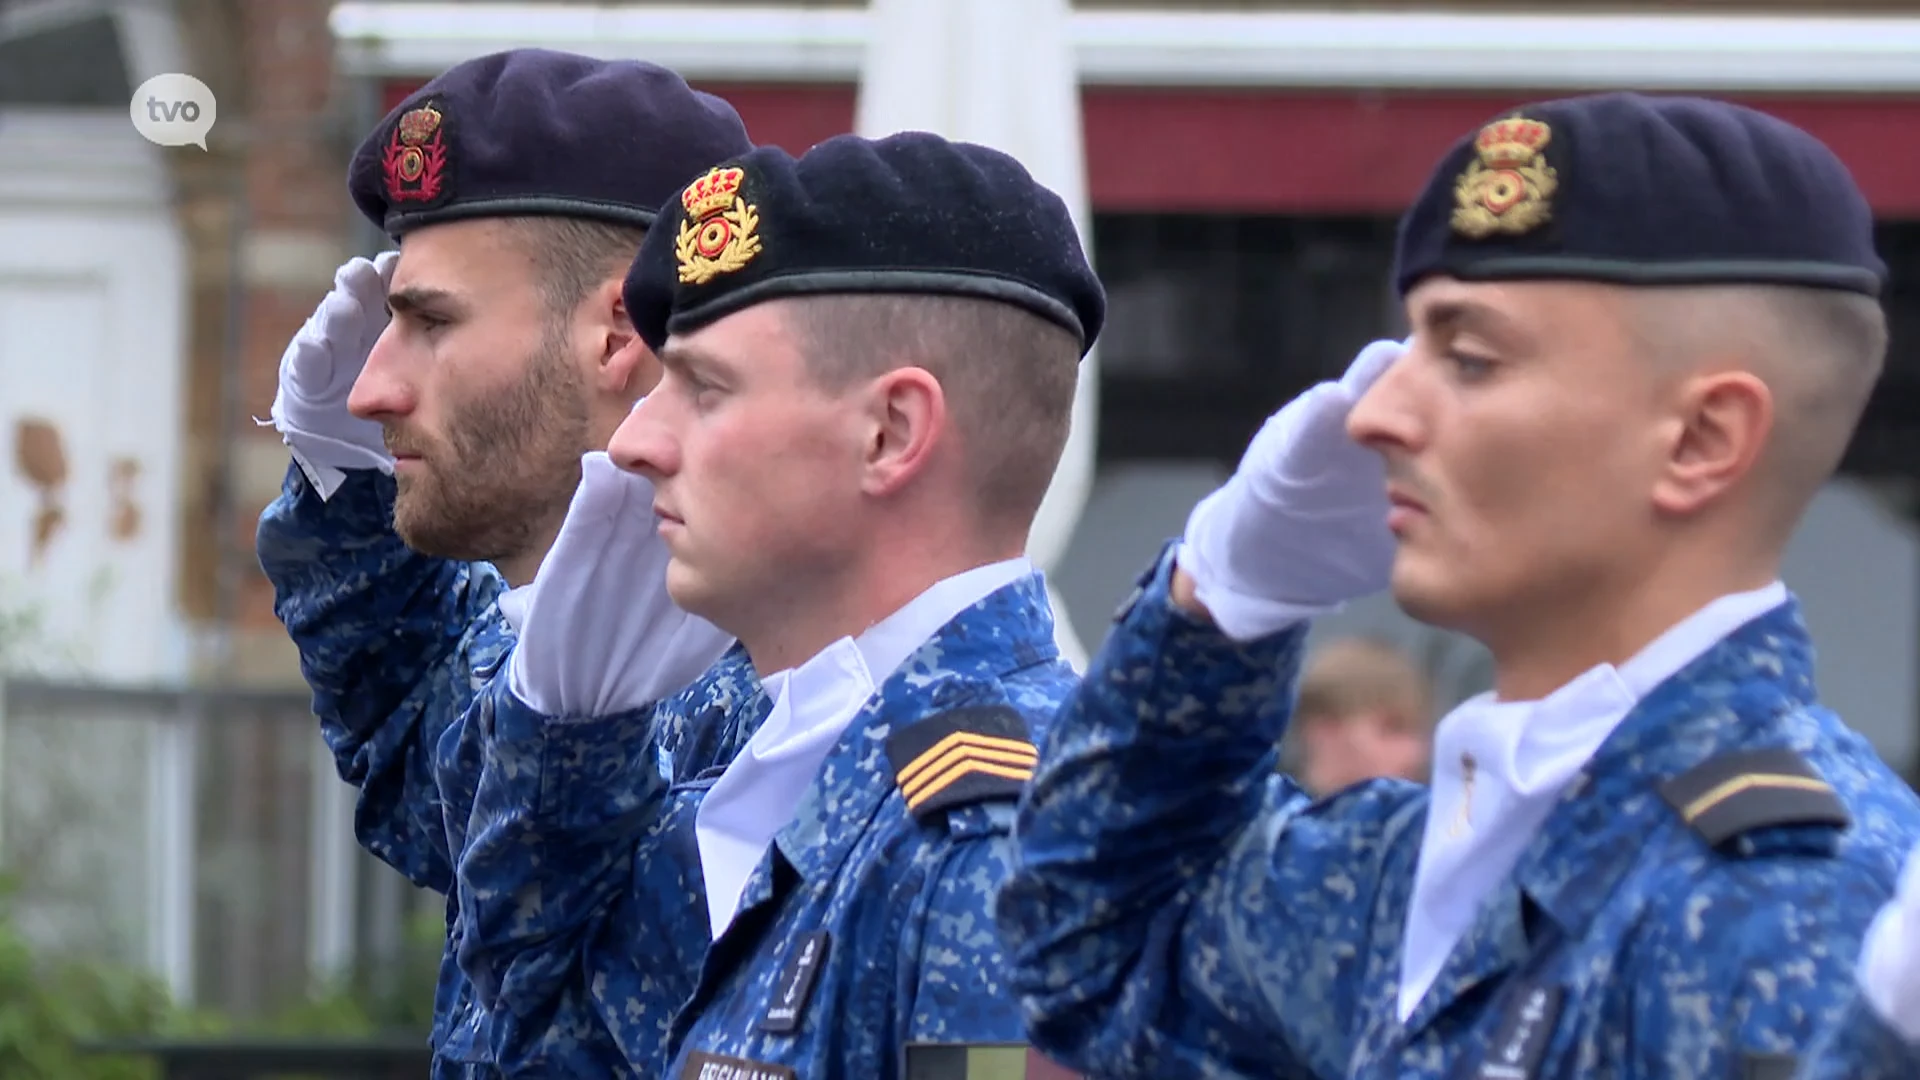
{"x":404,"y":1000}
{"x":53,"y":1007}
{"x":47,"y":1008}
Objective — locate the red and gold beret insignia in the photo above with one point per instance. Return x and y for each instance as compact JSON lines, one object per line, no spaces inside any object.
{"x":719,"y":234}
{"x":415,"y":161}
{"x":1510,"y":187}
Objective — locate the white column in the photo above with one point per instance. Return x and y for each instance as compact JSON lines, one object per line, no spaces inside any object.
{"x":171,"y":771}
{"x":334,"y":885}
{"x":1001,"y":73}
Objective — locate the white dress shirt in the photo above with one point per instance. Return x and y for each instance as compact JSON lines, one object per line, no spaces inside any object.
{"x":1499,"y":767}
{"x":760,"y":791}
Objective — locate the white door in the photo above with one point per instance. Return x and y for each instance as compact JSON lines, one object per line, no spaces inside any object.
{"x":93,"y":294}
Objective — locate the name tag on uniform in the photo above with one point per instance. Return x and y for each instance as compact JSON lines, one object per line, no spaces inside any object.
{"x":796,"y":982}
{"x":1525,"y":1029}
{"x":981,"y":1061}
{"x":704,"y":1066}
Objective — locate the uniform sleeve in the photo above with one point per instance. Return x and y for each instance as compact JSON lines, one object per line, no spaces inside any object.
{"x":1756,"y":962}
{"x":1877,"y":1037}
{"x":957,"y":973}
{"x":583,"y":914}
{"x":1861,"y":1045}
{"x":393,"y":644}
{"x":561,"y":805}
{"x":1177,"y":908}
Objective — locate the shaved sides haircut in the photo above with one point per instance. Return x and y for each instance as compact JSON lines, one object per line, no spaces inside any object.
{"x":1008,"y":375}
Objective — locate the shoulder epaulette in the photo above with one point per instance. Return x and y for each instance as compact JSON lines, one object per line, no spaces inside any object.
{"x":1736,"y":793}
{"x":963,"y":756}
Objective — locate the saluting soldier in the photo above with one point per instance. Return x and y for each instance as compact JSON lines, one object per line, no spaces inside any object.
{"x":870,"y":356}
{"x":435,"y":451}
{"x":1644,"y":329}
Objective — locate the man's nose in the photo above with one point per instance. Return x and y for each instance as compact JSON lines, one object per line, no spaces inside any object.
{"x":1381,"y":419}
{"x":642,"y":443}
{"x":380,"y":391}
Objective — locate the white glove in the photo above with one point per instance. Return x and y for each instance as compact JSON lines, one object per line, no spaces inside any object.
{"x":318,"y":371}
{"x":1301,"y":527}
{"x":1890,"y":957}
{"x":600,"y":634}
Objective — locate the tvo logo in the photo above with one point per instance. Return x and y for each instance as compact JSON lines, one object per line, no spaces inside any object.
{"x":173,"y":110}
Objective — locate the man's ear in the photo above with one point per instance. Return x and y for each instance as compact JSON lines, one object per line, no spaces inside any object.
{"x":627,"y":367}
{"x":906,"y":416}
{"x":632,"y":371}
{"x":1724,"y":420}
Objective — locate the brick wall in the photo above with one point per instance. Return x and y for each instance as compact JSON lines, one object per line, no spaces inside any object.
{"x":268,"y":220}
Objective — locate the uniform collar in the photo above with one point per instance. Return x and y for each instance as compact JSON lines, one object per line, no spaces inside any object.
{"x":1740,"y":690}
{"x":962,"y":663}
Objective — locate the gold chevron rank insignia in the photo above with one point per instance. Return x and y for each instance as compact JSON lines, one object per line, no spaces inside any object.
{"x":964,"y":756}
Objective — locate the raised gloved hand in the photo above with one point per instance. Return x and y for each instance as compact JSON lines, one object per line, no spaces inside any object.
{"x":318,"y":371}
{"x":1890,"y":957}
{"x":1301,"y":527}
{"x":600,"y":634}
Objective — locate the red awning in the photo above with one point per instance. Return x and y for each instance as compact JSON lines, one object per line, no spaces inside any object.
{"x":1333,"y":152}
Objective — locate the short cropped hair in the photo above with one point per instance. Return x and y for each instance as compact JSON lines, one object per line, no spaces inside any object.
{"x":574,"y":256}
{"x":1009,"y":377}
{"x":1820,"y":351}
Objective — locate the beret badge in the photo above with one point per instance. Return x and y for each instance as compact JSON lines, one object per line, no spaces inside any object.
{"x":415,"y":161}
{"x":1509,"y":188}
{"x":718,"y":235}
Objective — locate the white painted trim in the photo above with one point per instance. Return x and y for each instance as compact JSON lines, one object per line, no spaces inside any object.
{"x":88,"y":156}
{"x":150,"y":37}
{"x":1307,"y":49}
{"x":172,"y":839}
{"x":31,"y":16}
{"x":332,"y":910}
{"x":79,"y":157}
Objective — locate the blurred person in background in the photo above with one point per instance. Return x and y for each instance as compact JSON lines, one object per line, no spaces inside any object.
{"x":435,"y":451}
{"x":1365,"y":711}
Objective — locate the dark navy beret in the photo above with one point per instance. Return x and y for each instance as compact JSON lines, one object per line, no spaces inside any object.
{"x":909,"y":213}
{"x":1641,"y":190}
{"x":533,"y":131}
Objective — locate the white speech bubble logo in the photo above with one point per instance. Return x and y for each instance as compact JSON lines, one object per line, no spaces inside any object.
{"x":173,"y":110}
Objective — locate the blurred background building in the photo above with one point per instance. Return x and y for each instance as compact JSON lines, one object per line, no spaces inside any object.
{"x":164,"y":799}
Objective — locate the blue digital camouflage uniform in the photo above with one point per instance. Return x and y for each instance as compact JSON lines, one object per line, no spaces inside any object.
{"x":395,"y":644}
{"x":866,"y":927}
{"x":1179,"y":910}
{"x":396,"y":647}
{"x":1861,"y":1045}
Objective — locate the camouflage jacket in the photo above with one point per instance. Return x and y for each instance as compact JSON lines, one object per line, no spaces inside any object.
{"x":865,"y":927}
{"x":1179,"y":910}
{"x":397,"y":647}
{"x":1861,"y":1045}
